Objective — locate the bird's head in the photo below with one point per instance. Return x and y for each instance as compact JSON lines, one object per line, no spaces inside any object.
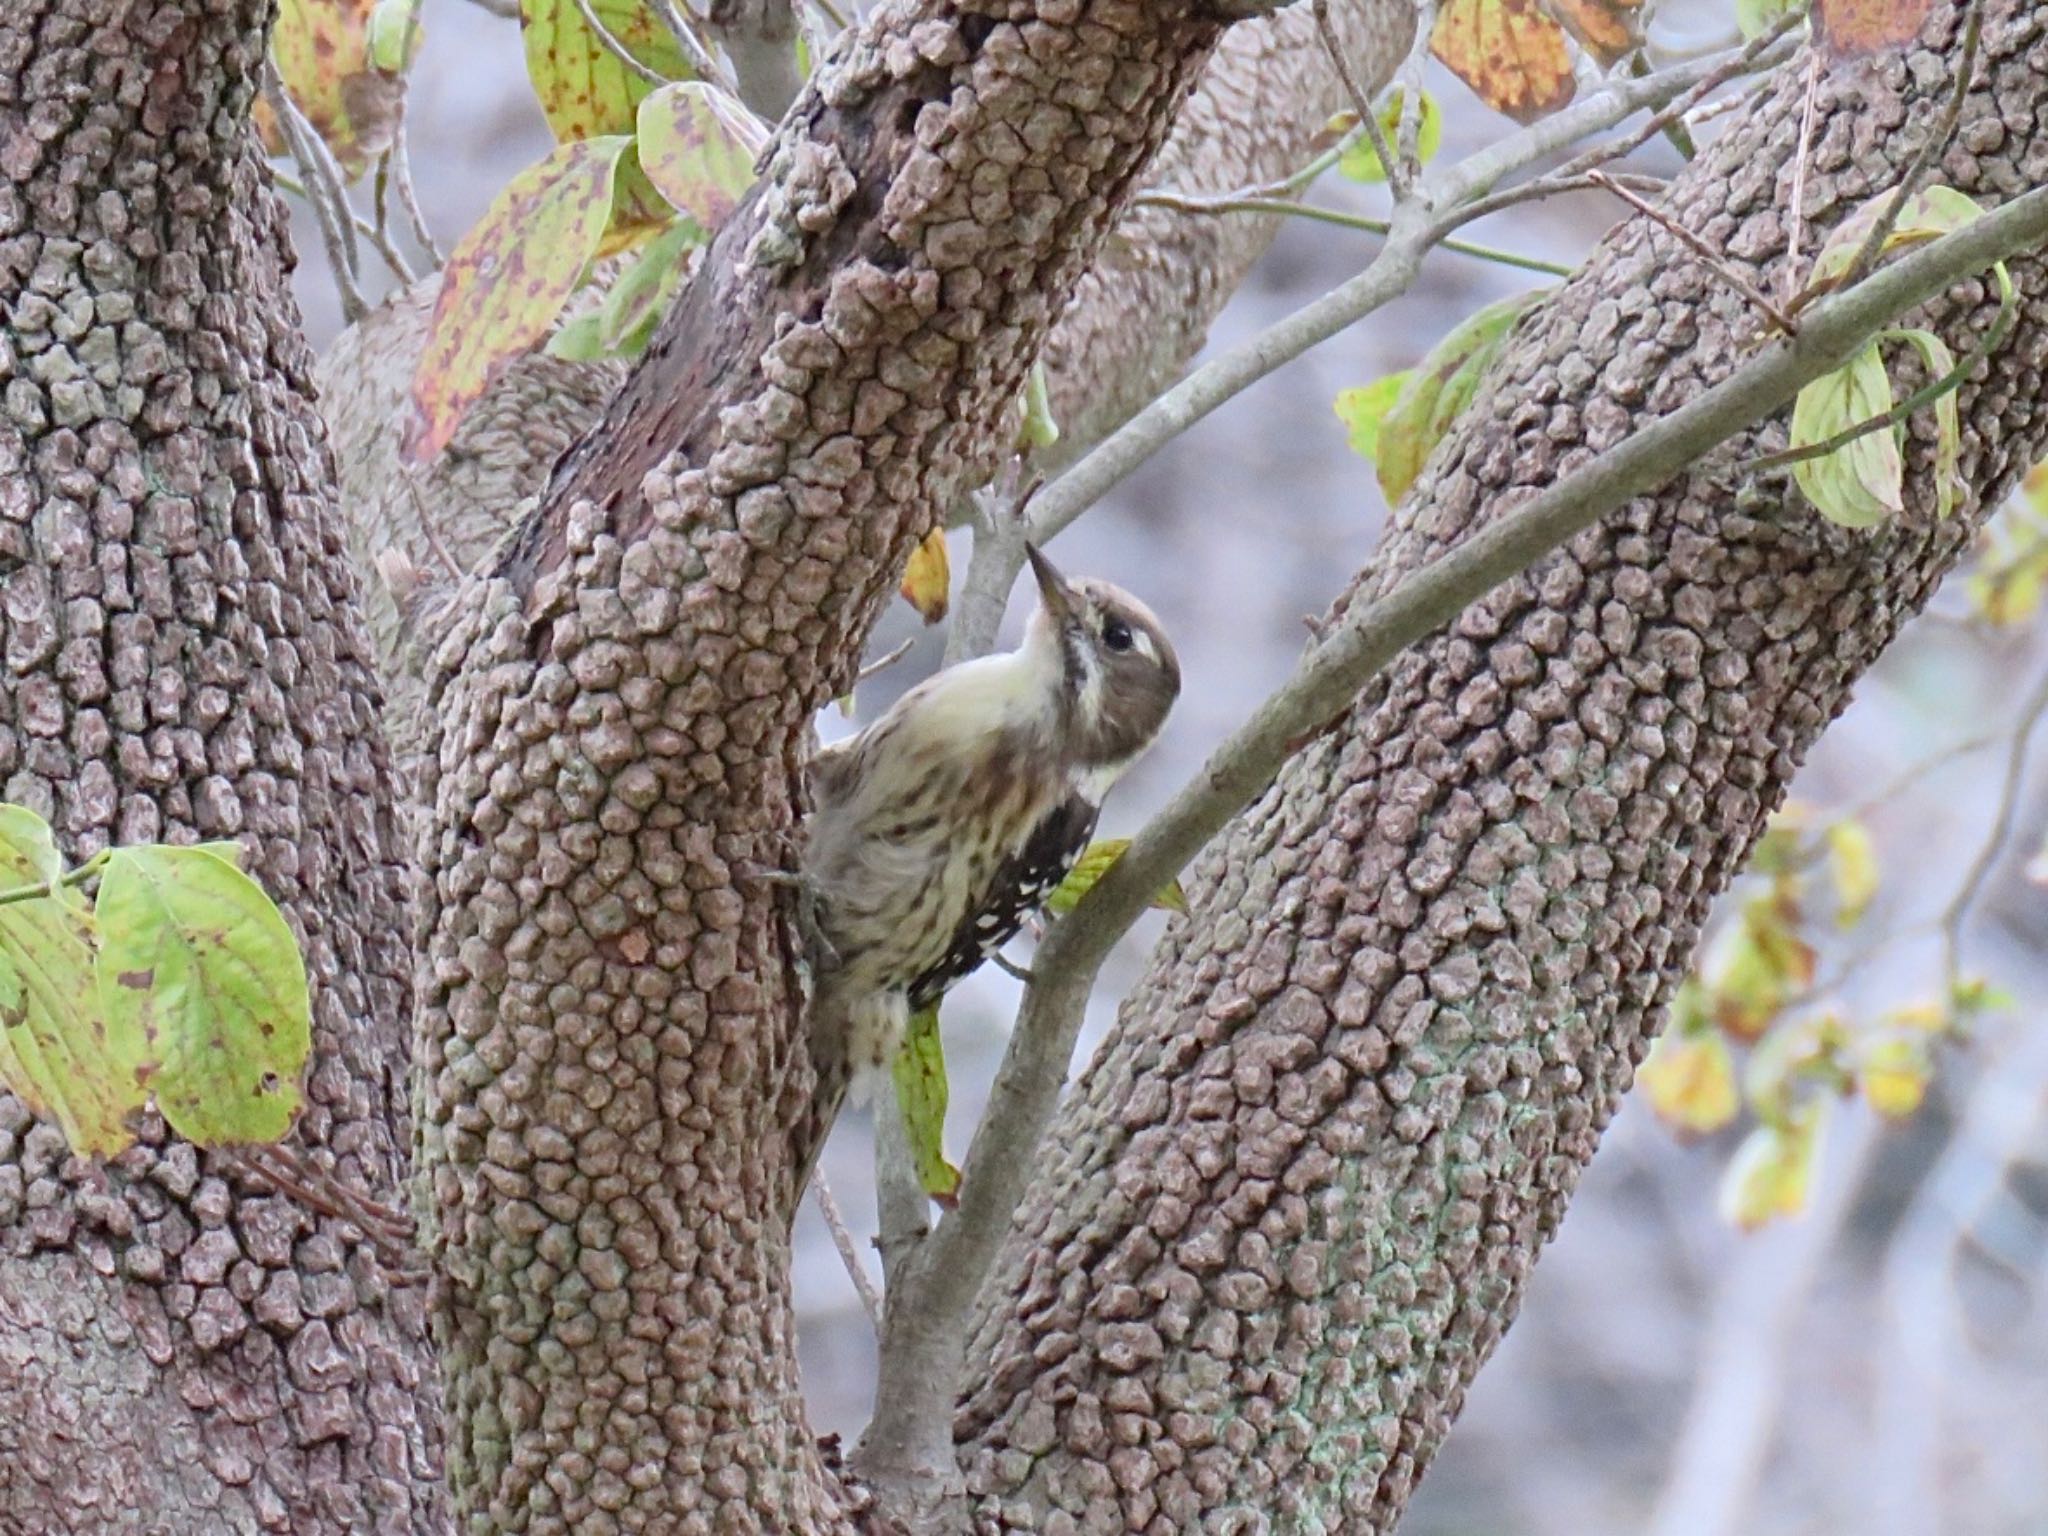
{"x":1118,"y":674}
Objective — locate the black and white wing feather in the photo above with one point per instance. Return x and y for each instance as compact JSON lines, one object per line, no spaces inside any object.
{"x":1021,"y":884}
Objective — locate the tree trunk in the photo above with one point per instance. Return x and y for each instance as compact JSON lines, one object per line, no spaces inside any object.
{"x":181,"y":1350}
{"x":1291,"y":1206}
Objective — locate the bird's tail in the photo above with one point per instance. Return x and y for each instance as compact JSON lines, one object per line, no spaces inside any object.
{"x":851,"y":1037}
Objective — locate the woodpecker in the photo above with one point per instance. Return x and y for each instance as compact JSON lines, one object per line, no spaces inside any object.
{"x":936,"y":830}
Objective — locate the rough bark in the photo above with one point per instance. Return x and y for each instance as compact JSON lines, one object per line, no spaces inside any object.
{"x":1140,"y":312}
{"x":180,"y":1351}
{"x":1291,"y":1208}
{"x":609,"y":1054}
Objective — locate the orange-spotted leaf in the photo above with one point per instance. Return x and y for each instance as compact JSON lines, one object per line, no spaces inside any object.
{"x":1847,"y":29}
{"x":322,"y":52}
{"x":1691,"y":1081}
{"x":507,"y":279}
{"x":1511,"y":53}
{"x":928,"y":579}
{"x":1610,"y":30}
{"x":1772,"y":1171}
{"x":697,"y":145}
{"x":585,"y":89}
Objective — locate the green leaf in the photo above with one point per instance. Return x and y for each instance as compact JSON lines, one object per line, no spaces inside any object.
{"x":1852,"y":863}
{"x":55,"y":1050}
{"x":1948,"y":426}
{"x":507,"y":279}
{"x":1926,"y":215}
{"x":1861,"y":483}
{"x":697,"y":145}
{"x":579,"y":341}
{"x":920,"y":1072}
{"x":393,"y":38}
{"x":1093,"y":864}
{"x":1361,"y":162}
{"x":1439,"y":388}
{"x":1772,"y":1171}
{"x":1040,"y":429}
{"x":630,"y":312}
{"x":585,"y":89}
{"x":197,"y":964}
{"x":1363,"y":409}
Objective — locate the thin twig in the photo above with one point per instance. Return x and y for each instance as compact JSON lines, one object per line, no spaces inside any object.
{"x":1344,"y":220}
{"x":883,"y":663}
{"x":1767,"y":50}
{"x":849,"y":1255}
{"x":408,"y":196}
{"x":1906,"y":780}
{"x":1795,"y":239}
{"x":509,"y":9}
{"x":1957,"y":912}
{"x":1709,"y":258}
{"x":617,"y":49}
{"x":934,"y":1289}
{"x":324,"y":193}
{"x":1408,"y":75}
{"x":380,"y":229}
{"x":1368,"y":120}
{"x":1916,"y":169}
{"x":693,"y":45}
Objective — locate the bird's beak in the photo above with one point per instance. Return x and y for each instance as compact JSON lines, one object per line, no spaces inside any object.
{"x":1059,"y":598}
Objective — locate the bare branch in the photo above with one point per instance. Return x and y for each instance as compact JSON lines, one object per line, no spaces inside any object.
{"x":1709,"y":258}
{"x":835,"y":1223}
{"x":1957,"y":913}
{"x":323,"y":191}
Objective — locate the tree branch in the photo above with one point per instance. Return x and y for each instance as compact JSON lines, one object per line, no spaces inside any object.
{"x":940,"y":1286}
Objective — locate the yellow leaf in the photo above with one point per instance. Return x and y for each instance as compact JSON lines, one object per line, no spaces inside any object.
{"x":1893,"y":1071}
{"x":928,"y":579}
{"x":507,"y":279}
{"x":1852,"y":862}
{"x":1362,"y":409}
{"x":1512,"y":55}
{"x":1435,"y":392}
{"x":1691,"y":1081}
{"x":1772,"y":1171}
{"x":1361,"y":162}
{"x":1093,"y":864}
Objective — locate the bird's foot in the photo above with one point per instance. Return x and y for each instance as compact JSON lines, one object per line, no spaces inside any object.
{"x":817,"y":948}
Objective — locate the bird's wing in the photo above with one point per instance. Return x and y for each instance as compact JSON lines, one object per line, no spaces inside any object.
{"x":1019,"y":887}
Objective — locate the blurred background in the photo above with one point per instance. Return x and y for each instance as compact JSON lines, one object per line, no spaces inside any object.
{"x":1878,"y":1363}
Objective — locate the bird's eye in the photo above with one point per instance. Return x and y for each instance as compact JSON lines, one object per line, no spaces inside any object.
{"x":1116,"y":634}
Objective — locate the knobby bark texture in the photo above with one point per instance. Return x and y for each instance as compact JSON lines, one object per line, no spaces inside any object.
{"x":1292,"y":1205}
{"x":181,"y":1351}
{"x":609,"y":1051}
{"x":1139,"y":312}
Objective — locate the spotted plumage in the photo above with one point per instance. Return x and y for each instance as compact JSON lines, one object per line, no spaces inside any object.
{"x":937,"y":830}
